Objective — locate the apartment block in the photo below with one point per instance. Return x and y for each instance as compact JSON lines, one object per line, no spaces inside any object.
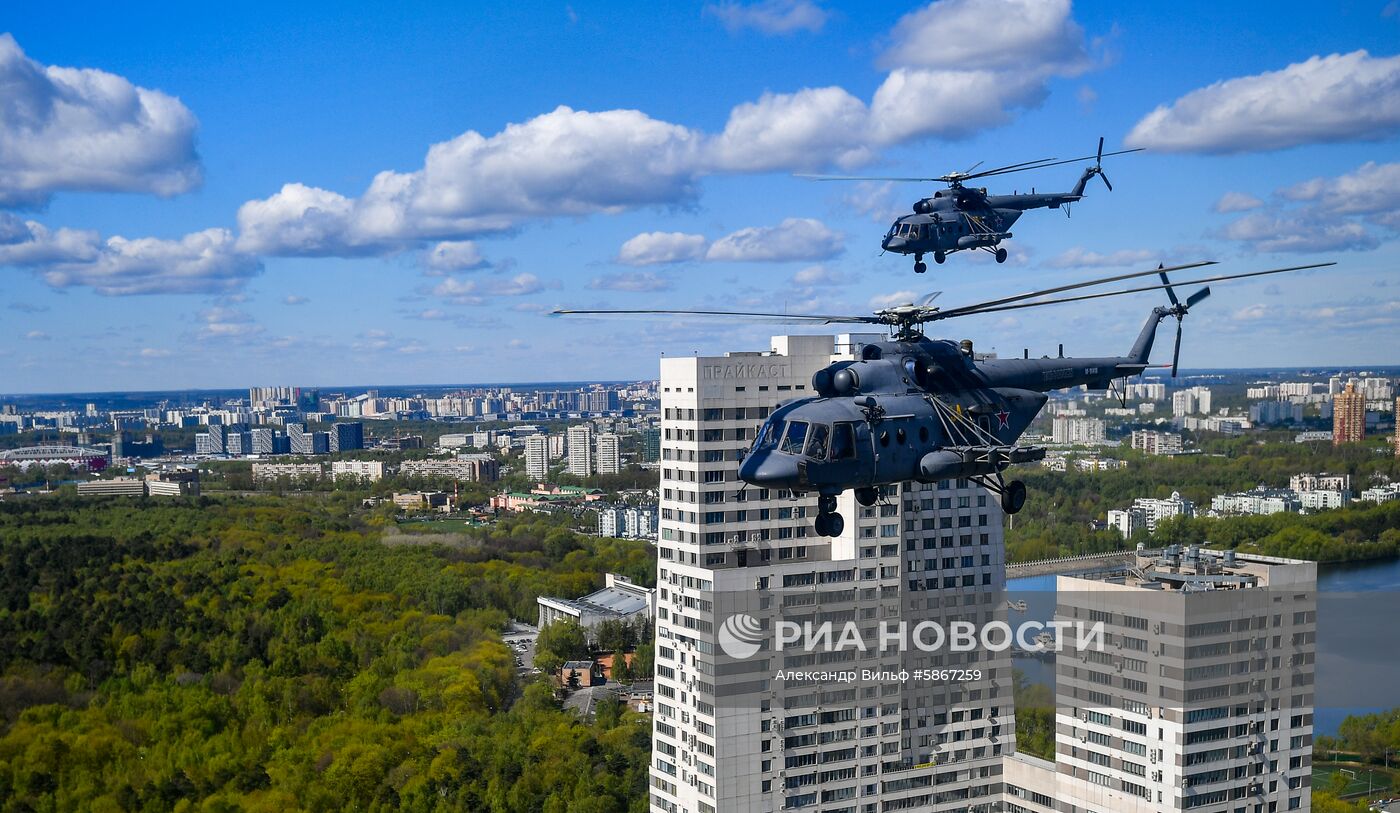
{"x":731,"y":734}
{"x":1200,"y":697}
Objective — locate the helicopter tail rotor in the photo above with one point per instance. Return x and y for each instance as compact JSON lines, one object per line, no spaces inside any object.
{"x":1179,"y":309}
{"x":1098,"y":166}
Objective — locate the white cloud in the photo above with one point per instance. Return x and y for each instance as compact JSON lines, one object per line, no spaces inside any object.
{"x":1333,"y":214}
{"x":202,"y":262}
{"x":476,"y":292}
{"x":998,"y":35}
{"x":1295,"y":232}
{"x":915,"y":103}
{"x":1250,"y":313}
{"x":1341,"y":97}
{"x":891,"y":300}
{"x":1083,"y":258}
{"x":657,"y":247}
{"x":809,"y":129}
{"x":453,"y":255}
{"x":796,"y":238}
{"x":814,"y":276}
{"x":86,"y":129}
{"x":198,"y":263}
{"x":37,"y":336}
{"x":432,"y":314}
{"x":154,"y":353}
{"x":770,"y":16}
{"x":1236,"y":202}
{"x":633,"y":281}
{"x":227,"y":324}
{"x":565,"y":162}
{"x":294,"y":299}
{"x":1372,"y":189}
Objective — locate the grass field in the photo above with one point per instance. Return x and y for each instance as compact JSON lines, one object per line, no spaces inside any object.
{"x":1380,"y":780}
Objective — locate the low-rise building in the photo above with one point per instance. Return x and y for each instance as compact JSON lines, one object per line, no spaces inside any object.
{"x":415,"y":500}
{"x":116,"y":487}
{"x":1152,"y":442}
{"x":1259,"y":501}
{"x":364,"y":470}
{"x":263,"y":472}
{"x":621,"y":599}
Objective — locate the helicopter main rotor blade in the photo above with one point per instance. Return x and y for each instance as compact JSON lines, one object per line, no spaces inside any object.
{"x":1083,"y":297}
{"x":1086,"y":284}
{"x":862,"y":178}
{"x":791,"y":317}
{"x":1026,"y":164}
{"x":1051,"y":164}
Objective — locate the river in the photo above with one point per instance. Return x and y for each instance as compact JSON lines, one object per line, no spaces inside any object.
{"x":1381,"y":576}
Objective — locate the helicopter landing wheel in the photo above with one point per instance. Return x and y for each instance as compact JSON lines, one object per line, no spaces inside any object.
{"x":939,"y":257}
{"x":920,"y":267}
{"x":1013,"y":497}
{"x":1001,"y":255}
{"x":867,"y":496}
{"x":826,"y":503}
{"x":829,"y":524}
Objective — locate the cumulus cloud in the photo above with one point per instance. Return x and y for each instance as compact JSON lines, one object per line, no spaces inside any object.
{"x":453,"y":255}
{"x":85,"y":129}
{"x":815,"y":276}
{"x":633,"y":281}
{"x":201,"y":263}
{"x":477,"y":291}
{"x":657,"y":247}
{"x":1355,"y":211}
{"x":1083,"y":258}
{"x":1298,"y":233}
{"x":796,"y":238}
{"x":1340,"y":97}
{"x":1236,"y":202}
{"x":917,"y":103}
{"x":809,"y":129}
{"x":891,"y":300}
{"x":226,"y":324}
{"x":1000,"y":35}
{"x":770,"y":16}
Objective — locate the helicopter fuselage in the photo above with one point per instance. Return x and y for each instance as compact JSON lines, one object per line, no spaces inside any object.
{"x":918,"y":410}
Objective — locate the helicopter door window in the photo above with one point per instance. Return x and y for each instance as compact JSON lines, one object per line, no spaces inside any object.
{"x":843,"y":442}
{"x":817,"y":441}
{"x":795,"y":437}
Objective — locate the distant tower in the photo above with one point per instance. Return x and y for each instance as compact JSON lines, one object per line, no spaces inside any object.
{"x":1348,"y":416}
{"x":1396,"y":413}
{"x":581,"y":450}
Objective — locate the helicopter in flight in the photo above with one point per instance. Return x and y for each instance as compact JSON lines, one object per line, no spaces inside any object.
{"x":920,"y":409}
{"x":964,"y":218}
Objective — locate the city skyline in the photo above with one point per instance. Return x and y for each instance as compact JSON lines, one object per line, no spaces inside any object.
{"x":264,"y":197}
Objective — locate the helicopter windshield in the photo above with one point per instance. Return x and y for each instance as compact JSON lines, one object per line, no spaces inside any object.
{"x":769,"y":434}
{"x":795,"y":437}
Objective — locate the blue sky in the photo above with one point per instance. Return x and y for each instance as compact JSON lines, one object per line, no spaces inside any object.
{"x":367,"y":193}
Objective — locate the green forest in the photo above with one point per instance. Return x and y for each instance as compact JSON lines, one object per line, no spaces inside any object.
{"x":251,"y":654}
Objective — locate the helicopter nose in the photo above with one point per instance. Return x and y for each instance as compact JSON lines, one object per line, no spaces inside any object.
{"x":769,"y":469}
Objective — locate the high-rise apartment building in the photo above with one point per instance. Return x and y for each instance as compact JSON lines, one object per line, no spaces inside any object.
{"x":1396,"y":414}
{"x":609,"y":453}
{"x":345,"y":437}
{"x":1199,"y":698}
{"x":581,"y":450}
{"x":537,"y":458}
{"x":1076,"y":430}
{"x":1348,"y":415}
{"x":730,"y":734}
{"x":298,"y":439}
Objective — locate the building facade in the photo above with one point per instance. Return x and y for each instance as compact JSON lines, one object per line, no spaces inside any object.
{"x":609,"y":453}
{"x":729,"y":734}
{"x":1348,"y":416}
{"x":580,"y":450}
{"x":537,"y":458}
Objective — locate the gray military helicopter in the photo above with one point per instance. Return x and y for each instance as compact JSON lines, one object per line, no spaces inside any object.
{"x":921,"y":409}
{"x":963,"y":218}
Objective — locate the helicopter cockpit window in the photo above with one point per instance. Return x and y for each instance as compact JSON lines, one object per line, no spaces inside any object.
{"x":817,"y":441}
{"x":795,"y":438}
{"x":768,"y":436}
{"x":843,"y":441}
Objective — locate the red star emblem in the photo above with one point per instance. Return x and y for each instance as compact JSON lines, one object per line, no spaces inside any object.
{"x":1004,"y":416}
